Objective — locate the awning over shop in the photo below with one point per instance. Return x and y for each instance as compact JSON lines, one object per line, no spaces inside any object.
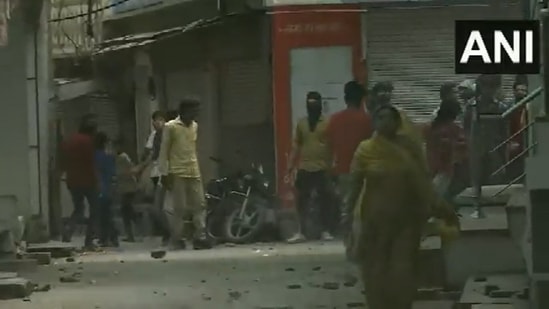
{"x":143,"y":39}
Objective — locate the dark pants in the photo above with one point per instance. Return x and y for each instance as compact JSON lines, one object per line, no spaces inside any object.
{"x":306,"y":184}
{"x":108,"y":230}
{"x":159,"y":219}
{"x":128,"y":213}
{"x":78,"y":196}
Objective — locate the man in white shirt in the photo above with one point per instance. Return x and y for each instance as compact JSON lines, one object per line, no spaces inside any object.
{"x":150,"y":157}
{"x":152,"y":147}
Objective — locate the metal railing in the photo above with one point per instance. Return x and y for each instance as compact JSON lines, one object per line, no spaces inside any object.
{"x":476,"y":157}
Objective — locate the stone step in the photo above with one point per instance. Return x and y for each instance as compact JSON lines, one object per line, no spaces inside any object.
{"x":494,"y":306}
{"x":42,"y":258}
{"x":432,"y":267}
{"x":433,"y":304}
{"x":485,"y":246}
{"x":494,"y":221}
{"x":57,"y":249}
{"x":485,"y":292}
{"x":489,"y":196}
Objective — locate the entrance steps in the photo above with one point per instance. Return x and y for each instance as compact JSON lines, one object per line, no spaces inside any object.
{"x":485,"y":246}
{"x":492,"y":244}
{"x":508,"y":291}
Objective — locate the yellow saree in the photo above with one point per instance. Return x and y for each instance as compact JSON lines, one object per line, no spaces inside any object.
{"x":397,"y":170}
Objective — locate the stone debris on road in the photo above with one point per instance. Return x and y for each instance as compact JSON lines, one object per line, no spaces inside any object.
{"x":330,"y":285}
{"x":158,"y":254}
{"x":42,"y":288}
{"x":163,"y":279}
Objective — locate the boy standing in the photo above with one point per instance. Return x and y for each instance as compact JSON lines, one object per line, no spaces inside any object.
{"x":127,"y":187}
{"x":106,"y":167}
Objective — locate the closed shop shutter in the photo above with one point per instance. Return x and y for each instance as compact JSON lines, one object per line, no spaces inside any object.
{"x":105,"y":109}
{"x":246,"y":111}
{"x":245,"y":92}
{"x":414,"y":48}
{"x":71,"y":112}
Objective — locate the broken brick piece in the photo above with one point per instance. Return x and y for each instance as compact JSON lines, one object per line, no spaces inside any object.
{"x":15,"y":288}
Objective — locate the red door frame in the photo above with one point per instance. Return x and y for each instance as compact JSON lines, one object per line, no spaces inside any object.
{"x":306,"y":26}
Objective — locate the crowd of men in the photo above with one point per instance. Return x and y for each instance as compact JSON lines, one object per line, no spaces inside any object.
{"x":98,"y":170}
{"x":323,"y":147}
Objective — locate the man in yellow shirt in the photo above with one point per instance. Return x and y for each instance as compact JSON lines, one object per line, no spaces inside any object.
{"x":313,"y":167}
{"x":178,"y":164}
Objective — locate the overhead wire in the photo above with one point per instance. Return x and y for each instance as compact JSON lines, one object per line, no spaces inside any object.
{"x":101,"y":9}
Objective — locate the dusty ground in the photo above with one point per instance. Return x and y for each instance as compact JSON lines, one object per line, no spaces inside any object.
{"x":279,"y":276}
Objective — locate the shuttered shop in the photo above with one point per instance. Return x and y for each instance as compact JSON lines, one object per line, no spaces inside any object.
{"x":414,"y":48}
{"x":70,"y":112}
{"x":245,"y":94}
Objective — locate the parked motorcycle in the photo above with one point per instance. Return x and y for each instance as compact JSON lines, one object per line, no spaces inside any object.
{"x":253,"y":206}
{"x":216,"y":192}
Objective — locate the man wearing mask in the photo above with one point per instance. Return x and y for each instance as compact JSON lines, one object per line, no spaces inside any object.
{"x":179,"y":166}
{"x":310,"y":147}
{"x":78,"y":163}
{"x":345,"y":131}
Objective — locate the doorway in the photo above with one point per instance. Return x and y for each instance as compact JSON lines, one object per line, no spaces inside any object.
{"x":322,"y":69}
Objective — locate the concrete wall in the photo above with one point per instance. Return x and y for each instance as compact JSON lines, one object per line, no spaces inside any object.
{"x":24,"y":97}
{"x":14,"y":178}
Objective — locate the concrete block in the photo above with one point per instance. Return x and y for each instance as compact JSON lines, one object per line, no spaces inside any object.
{"x":42,"y":258}
{"x":55,"y":248}
{"x":18,"y":265}
{"x":15,"y":288}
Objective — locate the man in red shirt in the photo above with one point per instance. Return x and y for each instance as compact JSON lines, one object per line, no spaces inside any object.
{"x":78,"y":163}
{"x":345,"y":131}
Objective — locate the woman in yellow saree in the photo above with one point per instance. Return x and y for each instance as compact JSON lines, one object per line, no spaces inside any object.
{"x":394,"y":198}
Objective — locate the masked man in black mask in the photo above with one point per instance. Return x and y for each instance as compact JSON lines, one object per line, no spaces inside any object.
{"x":311,"y":155}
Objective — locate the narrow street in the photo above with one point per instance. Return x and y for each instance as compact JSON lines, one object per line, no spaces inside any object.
{"x":313,"y":275}
{"x":258,"y":276}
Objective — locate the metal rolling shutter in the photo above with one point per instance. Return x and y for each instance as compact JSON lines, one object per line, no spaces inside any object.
{"x":245,"y":93}
{"x":245,"y":96}
{"x":71,"y":111}
{"x":106,"y":111}
{"x":414,"y":48}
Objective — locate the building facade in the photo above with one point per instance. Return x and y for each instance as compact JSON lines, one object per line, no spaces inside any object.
{"x":244,"y":53}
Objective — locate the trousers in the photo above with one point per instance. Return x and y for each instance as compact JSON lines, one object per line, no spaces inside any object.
{"x":188,"y":205}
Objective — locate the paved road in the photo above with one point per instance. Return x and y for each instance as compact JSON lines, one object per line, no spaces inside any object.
{"x":261,"y":276}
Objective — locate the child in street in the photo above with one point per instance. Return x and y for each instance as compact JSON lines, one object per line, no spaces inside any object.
{"x":126,"y":172}
{"x":106,"y":168}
